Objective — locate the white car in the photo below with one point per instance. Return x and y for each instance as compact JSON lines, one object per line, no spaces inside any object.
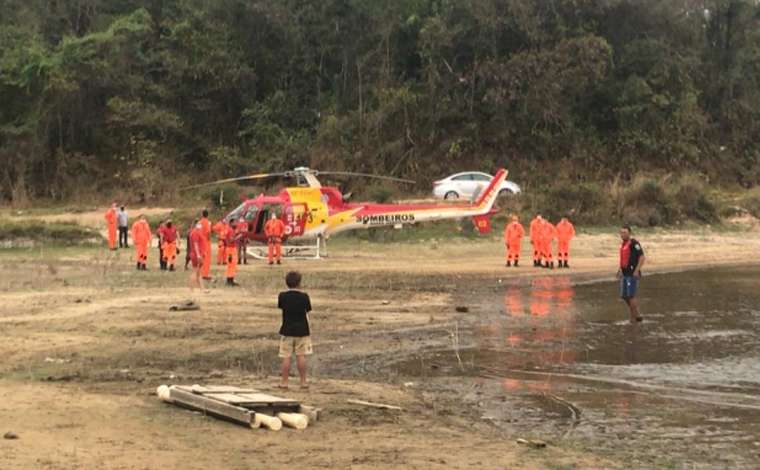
{"x":465,"y":185}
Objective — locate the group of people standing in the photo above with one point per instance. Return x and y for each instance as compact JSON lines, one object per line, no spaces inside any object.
{"x":232,"y":243}
{"x":542,"y":235}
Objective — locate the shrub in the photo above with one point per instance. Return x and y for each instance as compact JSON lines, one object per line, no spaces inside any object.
{"x":751,"y":202}
{"x":690,"y":195}
{"x":382,"y":194}
{"x":583,"y":203}
{"x":646,"y":202}
{"x":222,"y":198}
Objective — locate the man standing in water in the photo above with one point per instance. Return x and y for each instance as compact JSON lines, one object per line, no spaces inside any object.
{"x":631,"y":261}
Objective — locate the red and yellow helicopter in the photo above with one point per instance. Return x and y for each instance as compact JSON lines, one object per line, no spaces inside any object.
{"x":312,"y":212}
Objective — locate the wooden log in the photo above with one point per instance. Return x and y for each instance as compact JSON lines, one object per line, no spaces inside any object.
{"x":314,"y":414}
{"x":163,"y":393}
{"x":269,"y":422}
{"x":211,"y":407}
{"x":209,"y":389}
{"x":294,"y":420}
{"x":263,"y":399}
{"x":380,"y":406}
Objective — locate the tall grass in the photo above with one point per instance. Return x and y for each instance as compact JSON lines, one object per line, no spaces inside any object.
{"x":35,"y":232}
{"x":645,"y":200}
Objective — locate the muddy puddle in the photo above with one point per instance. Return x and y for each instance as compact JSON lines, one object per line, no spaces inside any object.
{"x":550,"y":358}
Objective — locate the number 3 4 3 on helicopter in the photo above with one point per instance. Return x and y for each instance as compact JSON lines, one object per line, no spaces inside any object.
{"x":312,"y":212}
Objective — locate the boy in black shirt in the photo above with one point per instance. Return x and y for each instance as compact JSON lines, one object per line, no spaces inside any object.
{"x":295,"y":332}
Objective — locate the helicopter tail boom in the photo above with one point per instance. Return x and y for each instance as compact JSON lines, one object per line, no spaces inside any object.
{"x":485,"y":202}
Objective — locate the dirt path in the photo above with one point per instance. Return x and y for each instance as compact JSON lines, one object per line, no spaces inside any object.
{"x":110,"y":340}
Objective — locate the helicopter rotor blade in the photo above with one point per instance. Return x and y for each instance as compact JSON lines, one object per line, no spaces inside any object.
{"x":234,"y":180}
{"x":365,"y":175}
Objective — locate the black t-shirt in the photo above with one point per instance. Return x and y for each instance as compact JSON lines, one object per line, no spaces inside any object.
{"x":629,"y":256}
{"x":295,"y":306}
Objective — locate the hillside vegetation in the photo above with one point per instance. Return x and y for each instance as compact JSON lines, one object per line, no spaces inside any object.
{"x":133,"y":98}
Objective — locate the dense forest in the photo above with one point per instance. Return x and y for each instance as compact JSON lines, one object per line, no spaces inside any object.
{"x":146,"y":94}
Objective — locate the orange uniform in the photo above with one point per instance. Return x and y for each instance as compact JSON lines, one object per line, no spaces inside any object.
{"x":206,"y":234}
{"x":141,"y":237}
{"x":231,"y":253}
{"x":169,"y":237}
{"x":565,"y":233}
{"x":535,"y":238}
{"x":513,"y":236}
{"x":219,"y":229}
{"x":274,"y":230}
{"x":110,"y":217}
{"x":548,"y":235}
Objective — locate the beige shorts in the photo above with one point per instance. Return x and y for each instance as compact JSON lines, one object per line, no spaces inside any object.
{"x":290,"y":345}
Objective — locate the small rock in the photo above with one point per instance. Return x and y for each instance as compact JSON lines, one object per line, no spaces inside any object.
{"x":386,"y":302}
{"x":408,"y":384}
{"x":10,"y":435}
{"x":462,"y":309}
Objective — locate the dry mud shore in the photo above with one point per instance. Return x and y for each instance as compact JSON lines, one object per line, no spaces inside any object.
{"x":85,"y":340}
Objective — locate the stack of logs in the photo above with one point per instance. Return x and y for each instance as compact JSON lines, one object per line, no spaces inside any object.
{"x":243,"y":406}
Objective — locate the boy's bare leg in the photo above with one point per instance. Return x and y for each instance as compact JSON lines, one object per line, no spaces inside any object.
{"x":192,"y":282}
{"x":301,"y":362}
{"x":199,"y":277}
{"x":285,"y":371}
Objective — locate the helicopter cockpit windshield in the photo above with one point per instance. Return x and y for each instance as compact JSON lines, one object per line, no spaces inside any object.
{"x":236,"y":213}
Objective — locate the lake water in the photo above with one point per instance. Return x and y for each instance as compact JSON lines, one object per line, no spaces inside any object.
{"x":680,"y":389}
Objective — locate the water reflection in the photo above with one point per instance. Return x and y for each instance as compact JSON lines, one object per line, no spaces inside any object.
{"x":534,"y":330}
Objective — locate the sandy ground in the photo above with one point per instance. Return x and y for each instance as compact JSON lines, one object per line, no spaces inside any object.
{"x":85,"y":340}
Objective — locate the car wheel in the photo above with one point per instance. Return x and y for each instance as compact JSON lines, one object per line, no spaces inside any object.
{"x":505,"y":192}
{"x":451,"y":195}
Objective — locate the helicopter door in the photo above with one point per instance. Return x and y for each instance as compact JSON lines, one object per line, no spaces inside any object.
{"x":262,"y":220}
{"x":295,"y":218}
{"x":266,"y":211}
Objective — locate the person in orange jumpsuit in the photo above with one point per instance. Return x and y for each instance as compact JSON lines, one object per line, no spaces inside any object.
{"x":219,"y":229}
{"x":231,"y":238}
{"x":195,"y":255}
{"x":169,"y":236}
{"x":513,"y":236}
{"x":206,"y":234}
{"x":141,"y":237}
{"x":565,"y":232}
{"x":535,"y":240}
{"x":548,"y":235}
{"x":274,"y":230}
{"x":110,"y":217}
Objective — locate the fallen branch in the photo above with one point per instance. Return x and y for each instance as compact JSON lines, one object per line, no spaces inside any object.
{"x":533,"y":443}
{"x":379,"y":406}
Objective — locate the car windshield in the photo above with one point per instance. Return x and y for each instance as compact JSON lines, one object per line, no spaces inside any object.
{"x":481,"y":177}
{"x":466,"y":177}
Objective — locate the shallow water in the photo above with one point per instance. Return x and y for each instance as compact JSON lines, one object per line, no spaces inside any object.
{"x":684,"y":384}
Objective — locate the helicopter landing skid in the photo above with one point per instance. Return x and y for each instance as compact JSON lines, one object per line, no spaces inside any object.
{"x":318,"y":251}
